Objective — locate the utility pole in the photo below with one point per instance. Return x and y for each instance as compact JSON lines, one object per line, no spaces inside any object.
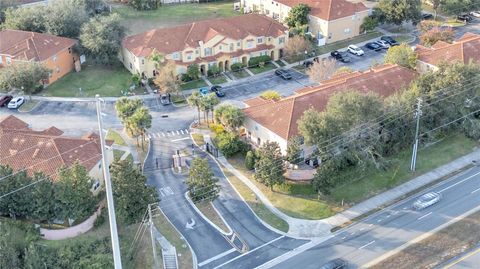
{"x":154,"y":248}
{"x":117,"y":259}
{"x":418,"y":114}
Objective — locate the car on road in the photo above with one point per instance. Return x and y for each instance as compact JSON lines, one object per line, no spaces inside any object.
{"x":389,"y":40}
{"x":217,"y":90}
{"x":355,"y":50}
{"x":5,"y":99}
{"x":373,"y":46}
{"x":283,"y":74}
{"x":203,"y":91}
{"x":464,"y":17}
{"x":335,"y":264}
{"x":427,"y":16}
{"x":426,"y":200}
{"x":383,"y":44}
{"x":340,"y":56}
{"x":16,"y":102}
{"x":164,"y":99}
{"x":475,"y":14}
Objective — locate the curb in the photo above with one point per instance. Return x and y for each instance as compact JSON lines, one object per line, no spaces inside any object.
{"x":31,"y":109}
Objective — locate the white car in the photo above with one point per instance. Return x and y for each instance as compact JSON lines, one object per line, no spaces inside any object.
{"x":382,"y":43}
{"x":426,"y":200}
{"x":355,"y":50}
{"x":16,"y":102}
{"x":475,"y":13}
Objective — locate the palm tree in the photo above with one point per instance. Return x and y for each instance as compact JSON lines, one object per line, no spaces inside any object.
{"x":194,"y":100}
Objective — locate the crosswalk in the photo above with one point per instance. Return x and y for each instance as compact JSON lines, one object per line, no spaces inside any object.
{"x":162,"y":134}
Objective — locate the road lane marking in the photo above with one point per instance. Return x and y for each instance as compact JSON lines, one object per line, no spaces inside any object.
{"x":379,"y":220}
{"x":259,"y":247}
{"x":424,"y":216}
{"x":163,"y":134}
{"x":186,"y":131}
{"x":370,"y":225}
{"x":388,"y":216}
{"x":475,"y":190}
{"x":149,"y":137}
{"x":214,"y":258}
{"x":344,"y":237}
{"x":461,"y":181}
{"x":361,"y":229}
{"x":180,"y":139}
{"x":178,"y":133}
{"x":181,"y":131}
{"x":366,"y":245}
{"x":462,"y":258}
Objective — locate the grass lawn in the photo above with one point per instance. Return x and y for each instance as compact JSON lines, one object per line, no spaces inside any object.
{"x":171,"y":15}
{"x":258,"y":69}
{"x":220,"y":79}
{"x":454,"y":23}
{"x":117,"y":139}
{"x":280,"y":63}
{"x":207,"y":209}
{"x":403,"y":38}
{"x":193,"y":84}
{"x":299,"y":201}
{"x":240,"y":74}
{"x":257,"y":206}
{"x":28,"y":105}
{"x":178,"y":99}
{"x":117,"y":154}
{"x":429,"y":158}
{"x":92,"y":80}
{"x":344,"y":43}
{"x":198,"y":138}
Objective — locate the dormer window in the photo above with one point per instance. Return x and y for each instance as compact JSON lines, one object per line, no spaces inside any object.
{"x":176,"y":56}
{"x":260,"y":40}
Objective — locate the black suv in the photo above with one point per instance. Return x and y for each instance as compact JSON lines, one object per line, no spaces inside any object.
{"x":340,"y":56}
{"x":283,"y":74}
{"x":464,"y":17}
{"x":390,"y":40}
{"x":5,"y":99}
{"x":335,"y":264}
{"x":217,"y":90}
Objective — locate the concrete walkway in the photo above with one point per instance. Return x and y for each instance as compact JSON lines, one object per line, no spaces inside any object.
{"x":131,"y":148}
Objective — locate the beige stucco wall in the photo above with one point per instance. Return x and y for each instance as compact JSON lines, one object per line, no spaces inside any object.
{"x":96,"y":173}
{"x":423,"y":67}
{"x":255,"y":131}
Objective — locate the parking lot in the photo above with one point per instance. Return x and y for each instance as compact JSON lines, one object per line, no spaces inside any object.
{"x":364,"y":62}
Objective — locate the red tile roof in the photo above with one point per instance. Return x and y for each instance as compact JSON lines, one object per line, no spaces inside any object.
{"x":465,"y":49}
{"x":169,"y":40}
{"x":27,"y":46}
{"x":281,"y":117}
{"x":44,"y":151}
{"x":328,"y":10}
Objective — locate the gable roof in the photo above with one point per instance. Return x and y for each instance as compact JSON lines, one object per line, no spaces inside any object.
{"x":44,"y":151}
{"x":31,"y":46}
{"x":465,"y":49}
{"x":328,"y":10}
{"x":281,"y":117}
{"x":178,"y":38}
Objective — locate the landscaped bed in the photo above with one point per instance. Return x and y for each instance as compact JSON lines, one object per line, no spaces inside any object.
{"x":195,"y":84}
{"x":209,"y":212}
{"x":220,"y":79}
{"x":116,"y":137}
{"x":240,"y":74}
{"x":261,"y":69}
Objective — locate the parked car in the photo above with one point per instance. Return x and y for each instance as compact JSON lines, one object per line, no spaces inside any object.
{"x":340,"y":56}
{"x":389,"y":40}
{"x":427,"y":200}
{"x":383,"y":44}
{"x":217,"y":90}
{"x":373,"y":46}
{"x":16,"y":102}
{"x":427,"y":16}
{"x":307,"y":63}
{"x":464,"y":17}
{"x":203,"y":91}
{"x":5,"y":99}
{"x":355,"y":50}
{"x":164,"y":99}
{"x":283,"y":74}
{"x":335,"y":264}
{"x":475,"y":14}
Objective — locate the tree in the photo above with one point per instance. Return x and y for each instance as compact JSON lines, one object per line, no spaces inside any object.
{"x":102,"y":37}
{"x":26,"y":19}
{"x":138,"y":123}
{"x":193,"y":71}
{"x":322,"y":70}
{"x":435,"y":6}
{"x":271,"y":95}
{"x":298,"y":16}
{"x":250,"y":160}
{"x":269,"y":166}
{"x":231,"y":117}
{"x":18,"y":204}
{"x":432,"y":36}
{"x":369,"y":24}
{"x":65,"y":18}
{"x":456,"y":7}
{"x":194,"y":100}
{"x":73,"y":196}
{"x":207,"y":103}
{"x":126,"y":107}
{"x":402,"y":55}
{"x":399,"y":11}
{"x":167,"y":80}
{"x":130,"y":191}
{"x":201,"y":182}
{"x":229,"y":143}
{"x":310,"y":125}
{"x":144,"y":4}
{"x":294,"y":150}
{"x":10,"y":254}
{"x":297,"y":46}
{"x":26,"y":76}
{"x":43,"y":197}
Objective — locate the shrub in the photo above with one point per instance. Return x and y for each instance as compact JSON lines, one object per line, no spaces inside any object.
{"x":250,"y":159}
{"x":136,"y":79}
{"x":255,"y":61}
{"x":229,"y":144}
{"x":100,"y":219}
{"x":270,"y":95}
{"x":236,"y":67}
{"x":185,"y":78}
{"x":213,"y":70}
{"x":217,"y":128}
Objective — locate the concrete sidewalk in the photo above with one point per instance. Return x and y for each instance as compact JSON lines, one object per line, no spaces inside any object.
{"x":317,"y":228}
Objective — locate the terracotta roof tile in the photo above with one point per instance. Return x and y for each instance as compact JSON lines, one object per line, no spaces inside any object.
{"x":281,"y":117}
{"x":173,"y":39}
{"x":328,"y":10}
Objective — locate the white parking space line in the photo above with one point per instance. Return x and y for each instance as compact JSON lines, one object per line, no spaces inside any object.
{"x":366,"y":245}
{"x":214,"y":258}
{"x":461,"y":181}
{"x":424,"y":216}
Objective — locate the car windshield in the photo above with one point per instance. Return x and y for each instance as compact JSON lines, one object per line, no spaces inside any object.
{"x":426,"y":197}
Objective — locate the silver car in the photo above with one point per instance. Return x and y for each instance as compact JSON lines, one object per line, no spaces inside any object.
{"x":426,"y":200}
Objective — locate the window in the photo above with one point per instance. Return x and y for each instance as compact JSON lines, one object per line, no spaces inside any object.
{"x":220,"y":48}
{"x":235,"y":60}
{"x":9,"y":60}
{"x":281,"y":40}
{"x":260,"y":40}
{"x":196,"y":52}
{"x":329,"y":35}
{"x":49,"y":74}
{"x":232,"y":47}
{"x":99,"y":166}
{"x":131,"y":66}
{"x":267,"y":12}
{"x":346,"y":31}
{"x":208,"y":51}
{"x":189,"y":56}
{"x":249,"y":44}
{"x":143,"y":61}
{"x":176,"y":55}
{"x":70,"y":50}
{"x":269,"y":39}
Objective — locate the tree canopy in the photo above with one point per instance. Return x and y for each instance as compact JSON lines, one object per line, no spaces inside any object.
{"x":26,"y":76}
{"x":202,"y":185}
{"x":269,"y":167}
{"x":399,"y":11}
{"x":229,"y":116}
{"x":402,"y":55}
{"x":298,"y":16}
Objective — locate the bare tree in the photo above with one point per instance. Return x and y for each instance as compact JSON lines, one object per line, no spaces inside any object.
{"x":167,"y":80}
{"x":322,"y":70}
{"x":296,"y":47}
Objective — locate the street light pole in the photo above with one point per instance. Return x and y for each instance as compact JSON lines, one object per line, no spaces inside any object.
{"x":305,"y":60}
{"x":117,"y":259}
{"x":418,"y":114}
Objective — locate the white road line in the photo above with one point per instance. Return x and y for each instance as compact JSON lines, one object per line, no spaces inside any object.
{"x":405,"y":208}
{"x":361,"y":229}
{"x":186,"y":131}
{"x":424,"y":216}
{"x":388,"y":216}
{"x":149,"y":137}
{"x":259,"y":247}
{"x":214,"y":258}
{"x":370,"y":225}
{"x":461,"y":181}
{"x":379,"y":220}
{"x":475,"y":190}
{"x":180,"y":139}
{"x":344,"y":237}
{"x":163,"y":134}
{"x":181,"y":131}
{"x":156,"y":135}
{"x":178,"y":132}
{"x":366,"y":245}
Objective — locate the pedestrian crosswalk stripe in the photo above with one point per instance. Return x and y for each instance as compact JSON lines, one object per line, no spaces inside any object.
{"x":163,"y":134}
{"x":149,"y":137}
{"x":178,"y":132}
{"x":181,"y":131}
{"x":186,"y":130}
